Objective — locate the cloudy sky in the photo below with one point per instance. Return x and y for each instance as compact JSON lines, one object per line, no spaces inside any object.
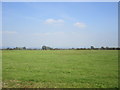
{"x":60,"y":24}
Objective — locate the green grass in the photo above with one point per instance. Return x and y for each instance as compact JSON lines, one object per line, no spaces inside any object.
{"x":60,"y":69}
{"x":0,"y":69}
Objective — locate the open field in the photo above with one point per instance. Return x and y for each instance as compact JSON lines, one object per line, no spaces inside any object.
{"x":60,"y":68}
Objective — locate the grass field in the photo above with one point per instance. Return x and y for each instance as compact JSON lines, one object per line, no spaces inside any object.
{"x":60,"y":68}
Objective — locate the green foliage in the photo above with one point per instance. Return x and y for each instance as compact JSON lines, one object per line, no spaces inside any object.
{"x":60,"y":68}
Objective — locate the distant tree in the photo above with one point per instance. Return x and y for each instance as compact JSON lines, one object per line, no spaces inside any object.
{"x":8,"y":48}
{"x":24,"y":48}
{"x":43,"y":47}
{"x":77,"y":48}
{"x":14,"y":48}
{"x":72,"y":48}
{"x":107,"y":48}
{"x":17,"y":48}
{"x":102,"y":47}
{"x":92,"y":47}
{"x":46,"y":48}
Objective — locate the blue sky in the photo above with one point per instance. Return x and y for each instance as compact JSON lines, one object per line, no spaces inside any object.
{"x":0,"y":24}
{"x":60,"y":24}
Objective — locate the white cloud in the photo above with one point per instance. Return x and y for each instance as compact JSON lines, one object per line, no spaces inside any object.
{"x":54,"y":21}
{"x":80,"y":25}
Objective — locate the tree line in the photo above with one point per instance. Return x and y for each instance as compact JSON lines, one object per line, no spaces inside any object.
{"x":49,"y":48}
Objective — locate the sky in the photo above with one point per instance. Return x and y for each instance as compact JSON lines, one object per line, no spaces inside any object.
{"x":60,"y":0}
{"x":59,"y":24}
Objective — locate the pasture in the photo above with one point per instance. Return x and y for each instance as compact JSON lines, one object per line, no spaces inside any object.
{"x":60,"y":68}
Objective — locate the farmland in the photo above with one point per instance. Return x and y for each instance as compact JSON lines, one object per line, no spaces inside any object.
{"x":60,"y":68}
